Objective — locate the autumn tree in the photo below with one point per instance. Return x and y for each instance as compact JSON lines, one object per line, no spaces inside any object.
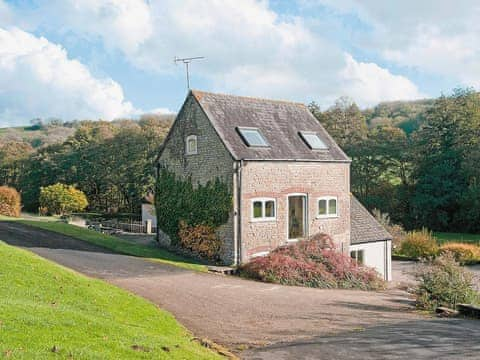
{"x":345,"y":122}
{"x":61,"y":199}
{"x":10,"y":201}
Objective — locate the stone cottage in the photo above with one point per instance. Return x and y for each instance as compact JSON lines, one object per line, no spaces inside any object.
{"x":289,"y":178}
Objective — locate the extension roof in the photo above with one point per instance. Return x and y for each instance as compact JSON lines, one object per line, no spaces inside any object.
{"x":364,"y":227}
{"x":280,"y":123}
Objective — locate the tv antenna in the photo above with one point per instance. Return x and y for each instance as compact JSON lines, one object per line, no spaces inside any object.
{"x":187,"y":62}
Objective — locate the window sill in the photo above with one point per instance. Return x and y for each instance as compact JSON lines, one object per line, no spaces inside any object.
{"x":327,"y":217}
{"x":260,"y":254}
{"x":260,"y":220}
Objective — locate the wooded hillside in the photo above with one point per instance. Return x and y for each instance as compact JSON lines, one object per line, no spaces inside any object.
{"x":111,"y":162}
{"x":415,"y":160}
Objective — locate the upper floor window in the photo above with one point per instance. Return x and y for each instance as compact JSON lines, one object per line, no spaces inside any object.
{"x":312,"y":140}
{"x":191,"y":145}
{"x":252,"y":137}
{"x":327,"y":206}
{"x":263,"y":209}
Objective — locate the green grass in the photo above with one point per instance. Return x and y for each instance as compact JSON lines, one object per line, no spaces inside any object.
{"x":114,"y":243}
{"x":443,"y":238}
{"x":47,"y":311}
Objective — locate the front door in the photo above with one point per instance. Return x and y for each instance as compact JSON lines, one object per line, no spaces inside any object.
{"x":296,"y":216}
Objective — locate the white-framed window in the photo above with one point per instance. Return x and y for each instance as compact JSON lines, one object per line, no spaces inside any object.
{"x":191,"y":145}
{"x":252,"y":137}
{"x":327,"y":207}
{"x":357,"y":255}
{"x":313,"y":140}
{"x":264,"y":209}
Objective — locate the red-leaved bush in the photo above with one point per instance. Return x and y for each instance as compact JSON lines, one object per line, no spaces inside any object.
{"x":313,"y":263}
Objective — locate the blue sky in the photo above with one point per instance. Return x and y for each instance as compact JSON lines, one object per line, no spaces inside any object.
{"x":79,"y":59}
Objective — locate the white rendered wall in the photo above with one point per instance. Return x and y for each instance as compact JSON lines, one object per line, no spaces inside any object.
{"x":377,"y":255}
{"x":148,"y":213}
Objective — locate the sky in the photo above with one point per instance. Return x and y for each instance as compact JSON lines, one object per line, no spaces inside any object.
{"x":107,"y":59}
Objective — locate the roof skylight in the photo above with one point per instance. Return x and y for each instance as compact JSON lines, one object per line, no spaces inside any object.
{"x":252,"y":137}
{"x":313,"y":141}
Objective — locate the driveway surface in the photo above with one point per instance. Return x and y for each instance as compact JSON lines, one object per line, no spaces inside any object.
{"x":240,"y":313}
{"x":422,"y":339}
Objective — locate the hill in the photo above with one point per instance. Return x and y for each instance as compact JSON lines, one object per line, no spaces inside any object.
{"x":54,"y":131}
{"x":407,"y":115}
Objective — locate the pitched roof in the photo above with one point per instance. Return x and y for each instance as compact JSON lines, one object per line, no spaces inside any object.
{"x":279,"y":122}
{"x":363,"y":226}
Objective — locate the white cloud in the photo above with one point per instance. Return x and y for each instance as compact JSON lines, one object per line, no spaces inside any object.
{"x":123,"y":24}
{"x":435,"y":37}
{"x":368,"y":83}
{"x":161,"y":111}
{"x":249,"y":48}
{"x":39,"y":80}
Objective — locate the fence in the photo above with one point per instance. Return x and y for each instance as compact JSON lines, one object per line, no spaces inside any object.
{"x":132,"y":226}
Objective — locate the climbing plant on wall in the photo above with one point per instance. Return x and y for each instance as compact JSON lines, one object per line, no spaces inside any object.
{"x":178,"y":200}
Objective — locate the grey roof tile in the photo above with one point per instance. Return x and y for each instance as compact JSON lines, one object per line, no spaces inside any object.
{"x":279,"y":121}
{"x":364,"y":227}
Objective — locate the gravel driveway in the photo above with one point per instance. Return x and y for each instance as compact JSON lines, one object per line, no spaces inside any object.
{"x":402,"y":273}
{"x":231,"y":311}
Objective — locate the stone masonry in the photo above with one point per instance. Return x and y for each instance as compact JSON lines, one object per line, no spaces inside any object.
{"x":279,"y":179}
{"x":211,"y":161}
{"x":286,"y":167}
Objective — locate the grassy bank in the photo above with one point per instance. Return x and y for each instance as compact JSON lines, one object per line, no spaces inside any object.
{"x":443,"y":238}
{"x":47,"y":311}
{"x":114,"y":243}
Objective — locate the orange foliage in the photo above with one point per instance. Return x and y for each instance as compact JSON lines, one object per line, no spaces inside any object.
{"x":10,"y":202}
{"x":201,"y":240}
{"x":463,"y":253}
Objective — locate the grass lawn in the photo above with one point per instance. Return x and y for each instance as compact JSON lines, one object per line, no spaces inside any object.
{"x":114,"y":243}
{"x":457,"y":237}
{"x":47,"y":311}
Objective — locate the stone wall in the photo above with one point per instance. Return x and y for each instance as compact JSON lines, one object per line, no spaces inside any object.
{"x":211,"y":161}
{"x":278,"y":180}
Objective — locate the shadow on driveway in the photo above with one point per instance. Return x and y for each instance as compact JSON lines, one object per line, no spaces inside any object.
{"x":421,"y":339}
{"x":17,"y":234}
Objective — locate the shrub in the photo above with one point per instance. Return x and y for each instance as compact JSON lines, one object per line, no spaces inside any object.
{"x":463,"y":253}
{"x":397,"y":231}
{"x":442,"y":282}
{"x":179,"y":200}
{"x":200,"y":240}
{"x":286,"y":270}
{"x":419,"y":244}
{"x":10,"y":202}
{"x":314,"y":263}
{"x":61,"y":199}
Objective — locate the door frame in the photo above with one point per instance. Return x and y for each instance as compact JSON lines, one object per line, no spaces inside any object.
{"x":305,"y":215}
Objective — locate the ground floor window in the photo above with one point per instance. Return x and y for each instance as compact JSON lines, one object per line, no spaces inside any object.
{"x":327,"y":206}
{"x":357,"y":255}
{"x":263,"y":209}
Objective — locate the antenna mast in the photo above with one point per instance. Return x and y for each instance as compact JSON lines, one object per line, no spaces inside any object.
{"x":187,"y":62}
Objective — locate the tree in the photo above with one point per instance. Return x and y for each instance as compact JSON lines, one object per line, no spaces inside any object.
{"x":11,"y":154}
{"x":61,"y":199}
{"x":447,"y":162}
{"x":345,"y":122}
{"x":10,"y":201}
